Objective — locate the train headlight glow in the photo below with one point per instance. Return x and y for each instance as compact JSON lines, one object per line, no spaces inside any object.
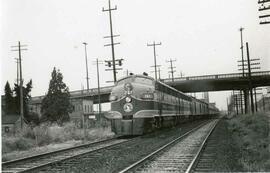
{"x":113,"y":98}
{"x":128,"y":99}
{"x":128,"y":107}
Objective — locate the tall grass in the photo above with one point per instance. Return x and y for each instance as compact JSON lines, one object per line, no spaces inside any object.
{"x":46,"y":134}
{"x":252,"y":137}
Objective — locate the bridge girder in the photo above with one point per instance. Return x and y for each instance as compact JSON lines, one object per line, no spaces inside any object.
{"x":219,"y":84}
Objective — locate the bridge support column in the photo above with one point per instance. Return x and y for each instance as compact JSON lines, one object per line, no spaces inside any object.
{"x":246,"y":100}
{"x":241,"y":101}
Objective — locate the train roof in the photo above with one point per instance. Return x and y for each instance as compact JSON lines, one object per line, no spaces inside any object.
{"x":161,"y":83}
{"x":137,"y":75}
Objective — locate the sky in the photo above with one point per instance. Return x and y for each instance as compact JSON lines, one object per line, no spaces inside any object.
{"x":202,"y":35}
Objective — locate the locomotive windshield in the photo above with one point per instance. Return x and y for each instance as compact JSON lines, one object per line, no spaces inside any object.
{"x":125,"y":80}
{"x":143,"y":80}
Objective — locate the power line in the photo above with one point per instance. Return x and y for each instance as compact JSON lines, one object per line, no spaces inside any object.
{"x":155,"y":61}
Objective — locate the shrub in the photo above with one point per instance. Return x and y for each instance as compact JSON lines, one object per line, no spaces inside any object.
{"x":251,"y":135}
{"x":10,"y":144}
{"x":48,"y":133}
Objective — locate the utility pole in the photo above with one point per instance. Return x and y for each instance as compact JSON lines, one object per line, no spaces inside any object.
{"x":243,"y":69}
{"x":251,"y":64}
{"x":181,"y":74}
{"x":172,"y":68}
{"x":127,"y":72}
{"x":112,"y":38}
{"x":227,"y":106}
{"x":99,"y":102}
{"x":250,"y":83}
{"x":20,"y":48}
{"x":18,"y":68}
{"x":87,"y":78}
{"x":155,"y":60}
{"x":255,"y":95}
{"x":235,"y":98}
{"x":242,"y":52}
{"x":159,"y":73}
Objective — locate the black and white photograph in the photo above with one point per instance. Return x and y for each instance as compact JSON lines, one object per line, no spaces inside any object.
{"x":145,"y":86}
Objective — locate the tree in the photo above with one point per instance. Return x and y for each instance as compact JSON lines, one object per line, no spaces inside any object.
{"x":9,"y":99}
{"x":29,"y":117}
{"x":56,"y":105}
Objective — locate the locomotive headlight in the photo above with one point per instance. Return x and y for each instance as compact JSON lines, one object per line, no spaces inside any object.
{"x":128,"y":87}
{"x":128,"y":107}
{"x":113,"y":98}
{"x":128,"y":99}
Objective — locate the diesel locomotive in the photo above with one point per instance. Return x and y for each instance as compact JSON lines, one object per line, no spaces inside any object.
{"x":140,"y":104}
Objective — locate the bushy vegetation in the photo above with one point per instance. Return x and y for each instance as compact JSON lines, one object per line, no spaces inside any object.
{"x":251,"y":136}
{"x":46,"y":134}
{"x":12,"y":102}
{"x":56,"y":105}
{"x":10,"y":144}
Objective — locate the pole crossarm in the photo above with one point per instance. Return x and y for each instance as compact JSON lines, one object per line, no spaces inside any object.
{"x":111,"y":36}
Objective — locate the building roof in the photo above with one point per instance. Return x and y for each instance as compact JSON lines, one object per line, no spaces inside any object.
{"x":10,"y":119}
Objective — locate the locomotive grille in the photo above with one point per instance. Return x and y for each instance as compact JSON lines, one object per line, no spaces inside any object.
{"x":127,"y":117}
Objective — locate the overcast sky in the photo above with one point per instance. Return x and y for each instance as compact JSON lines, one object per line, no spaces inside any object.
{"x":203,"y":35}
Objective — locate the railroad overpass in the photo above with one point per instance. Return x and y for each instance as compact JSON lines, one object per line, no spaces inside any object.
{"x":92,"y":94}
{"x":218,"y":82}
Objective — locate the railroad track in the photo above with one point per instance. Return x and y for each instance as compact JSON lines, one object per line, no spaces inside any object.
{"x":38,"y":162}
{"x":179,"y":155}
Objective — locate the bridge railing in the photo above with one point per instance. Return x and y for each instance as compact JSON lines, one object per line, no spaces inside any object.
{"x":219,"y":76}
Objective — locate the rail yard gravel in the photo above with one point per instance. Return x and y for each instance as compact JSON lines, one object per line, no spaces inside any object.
{"x":116,"y":158}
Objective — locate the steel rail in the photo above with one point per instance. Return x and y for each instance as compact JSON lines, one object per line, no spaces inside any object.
{"x":17,"y":161}
{"x":160,"y":149}
{"x":36,"y":168}
{"x":197,"y":156}
{"x":53,"y":152}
